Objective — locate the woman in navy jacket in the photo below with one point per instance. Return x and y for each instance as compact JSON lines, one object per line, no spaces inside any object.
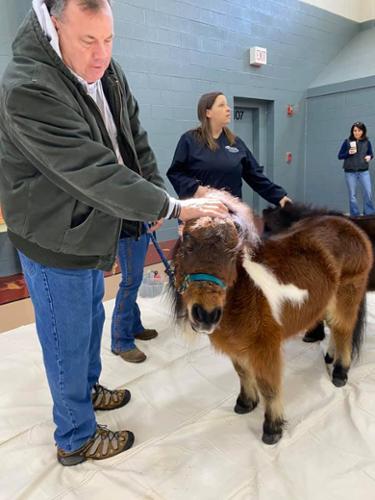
{"x":211,"y":155}
{"x":357,"y":154}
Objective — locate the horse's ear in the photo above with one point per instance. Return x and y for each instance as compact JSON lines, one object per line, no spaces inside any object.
{"x":268,"y":210}
{"x":289,"y":207}
{"x":243,"y":230}
{"x":237,"y":225}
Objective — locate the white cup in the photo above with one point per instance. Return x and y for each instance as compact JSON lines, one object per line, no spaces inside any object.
{"x":353,"y":145}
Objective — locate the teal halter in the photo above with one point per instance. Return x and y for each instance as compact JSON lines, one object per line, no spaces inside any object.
{"x":200,"y":277}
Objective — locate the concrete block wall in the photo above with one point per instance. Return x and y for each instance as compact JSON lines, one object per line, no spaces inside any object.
{"x":342,"y":94}
{"x":172,"y":51}
{"x":329,"y":118}
{"x":11,"y":15}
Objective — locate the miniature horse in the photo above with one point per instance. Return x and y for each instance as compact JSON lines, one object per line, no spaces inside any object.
{"x":249,"y":295}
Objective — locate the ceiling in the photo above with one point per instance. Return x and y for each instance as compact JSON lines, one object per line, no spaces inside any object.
{"x":360,"y":11}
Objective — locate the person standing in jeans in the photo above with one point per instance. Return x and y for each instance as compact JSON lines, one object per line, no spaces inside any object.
{"x":75,"y":163}
{"x":126,"y":319}
{"x":356,"y":151}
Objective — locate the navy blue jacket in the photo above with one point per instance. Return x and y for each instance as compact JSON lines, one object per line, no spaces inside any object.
{"x":194,"y":164}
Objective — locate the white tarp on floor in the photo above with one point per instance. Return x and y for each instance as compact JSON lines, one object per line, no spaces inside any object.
{"x":190,"y":445}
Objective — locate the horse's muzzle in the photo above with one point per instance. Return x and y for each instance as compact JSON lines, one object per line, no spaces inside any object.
{"x":205,"y":321}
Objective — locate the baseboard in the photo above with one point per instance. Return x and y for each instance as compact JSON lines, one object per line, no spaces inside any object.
{"x":16,"y":308}
{"x":13,"y":288}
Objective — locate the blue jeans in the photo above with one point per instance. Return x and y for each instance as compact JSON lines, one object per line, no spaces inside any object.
{"x":126,"y":319}
{"x":364,"y":179}
{"x":69,"y":320}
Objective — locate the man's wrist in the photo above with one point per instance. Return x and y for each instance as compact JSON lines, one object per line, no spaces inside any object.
{"x":174,"y":209}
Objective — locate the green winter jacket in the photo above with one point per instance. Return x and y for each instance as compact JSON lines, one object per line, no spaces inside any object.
{"x":62,"y":191}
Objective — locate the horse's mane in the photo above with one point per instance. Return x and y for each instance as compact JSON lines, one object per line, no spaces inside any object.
{"x":279,"y":219}
{"x":241,"y":215}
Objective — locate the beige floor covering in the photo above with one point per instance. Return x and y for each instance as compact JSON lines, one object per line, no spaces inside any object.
{"x":190,"y":445}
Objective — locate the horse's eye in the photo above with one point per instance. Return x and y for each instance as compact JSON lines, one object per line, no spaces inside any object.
{"x":187,"y":243}
{"x":188,"y":248}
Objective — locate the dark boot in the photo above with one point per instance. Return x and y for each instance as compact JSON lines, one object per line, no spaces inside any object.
{"x":132,"y":356}
{"x":147,"y":334}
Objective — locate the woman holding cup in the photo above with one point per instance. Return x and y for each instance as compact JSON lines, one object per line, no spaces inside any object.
{"x":356,"y":151}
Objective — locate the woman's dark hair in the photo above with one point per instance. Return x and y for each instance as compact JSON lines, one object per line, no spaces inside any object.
{"x":203,"y":132}
{"x":362,"y":127}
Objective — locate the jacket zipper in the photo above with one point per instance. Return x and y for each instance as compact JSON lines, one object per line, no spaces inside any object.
{"x":122,"y":131}
{"x":103,"y":130}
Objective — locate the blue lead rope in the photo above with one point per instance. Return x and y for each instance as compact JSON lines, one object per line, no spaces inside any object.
{"x":168,"y":268}
{"x":189,"y":277}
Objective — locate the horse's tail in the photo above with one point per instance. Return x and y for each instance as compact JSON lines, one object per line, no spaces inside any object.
{"x":359,"y":329}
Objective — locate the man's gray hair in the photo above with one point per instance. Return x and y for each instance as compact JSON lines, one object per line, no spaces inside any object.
{"x":56,"y":7}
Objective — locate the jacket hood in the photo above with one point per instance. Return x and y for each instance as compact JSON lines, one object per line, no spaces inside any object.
{"x":31,"y":45}
{"x":46,"y":24}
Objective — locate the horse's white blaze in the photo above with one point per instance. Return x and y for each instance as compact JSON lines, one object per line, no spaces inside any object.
{"x":275,"y":292}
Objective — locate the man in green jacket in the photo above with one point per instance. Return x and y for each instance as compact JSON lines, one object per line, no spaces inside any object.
{"x":75,"y":162}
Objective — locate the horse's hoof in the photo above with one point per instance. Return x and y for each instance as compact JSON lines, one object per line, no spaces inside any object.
{"x":339,"y":381}
{"x":311,"y":338}
{"x":328,"y":359}
{"x":339,"y":375}
{"x":271,"y":438}
{"x":242,"y":408}
{"x":315,"y":335}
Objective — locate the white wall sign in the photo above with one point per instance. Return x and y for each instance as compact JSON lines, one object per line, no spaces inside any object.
{"x":258,"y":56}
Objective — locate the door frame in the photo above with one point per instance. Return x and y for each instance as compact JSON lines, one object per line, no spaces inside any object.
{"x":263,"y":131}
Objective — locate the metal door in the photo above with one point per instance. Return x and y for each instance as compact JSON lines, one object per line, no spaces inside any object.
{"x":253,"y":124}
{"x":244,"y":119}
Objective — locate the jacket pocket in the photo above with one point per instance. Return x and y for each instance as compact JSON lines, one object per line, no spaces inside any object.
{"x":96,"y":235}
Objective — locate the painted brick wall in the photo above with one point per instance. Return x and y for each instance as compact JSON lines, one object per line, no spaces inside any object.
{"x":342,"y":94}
{"x":354,"y":61}
{"x":11,"y":15}
{"x":174,"y":50}
{"x":330,"y":117}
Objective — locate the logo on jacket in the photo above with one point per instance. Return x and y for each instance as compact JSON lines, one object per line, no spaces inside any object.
{"x":231,"y":149}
